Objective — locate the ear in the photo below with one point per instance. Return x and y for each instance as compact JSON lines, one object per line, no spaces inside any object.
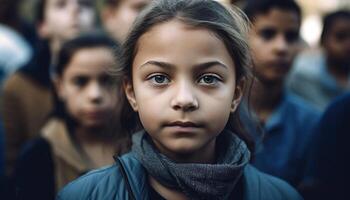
{"x":58,"y":84}
{"x":238,"y":95}
{"x":130,"y":94}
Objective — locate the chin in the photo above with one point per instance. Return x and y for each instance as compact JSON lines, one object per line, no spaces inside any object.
{"x":95,"y":125}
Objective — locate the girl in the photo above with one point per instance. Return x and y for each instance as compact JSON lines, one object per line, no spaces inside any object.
{"x":56,"y":22}
{"x":186,"y":63}
{"x":79,"y":136}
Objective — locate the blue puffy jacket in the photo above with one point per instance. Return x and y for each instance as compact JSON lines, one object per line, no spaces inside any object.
{"x":110,"y":184}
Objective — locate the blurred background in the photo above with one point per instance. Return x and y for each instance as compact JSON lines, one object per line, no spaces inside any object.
{"x":313,"y":10}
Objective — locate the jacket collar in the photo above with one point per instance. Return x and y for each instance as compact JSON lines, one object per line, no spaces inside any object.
{"x":56,"y":132}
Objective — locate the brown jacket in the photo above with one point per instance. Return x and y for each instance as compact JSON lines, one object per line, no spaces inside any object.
{"x":69,"y":162}
{"x":26,"y":105}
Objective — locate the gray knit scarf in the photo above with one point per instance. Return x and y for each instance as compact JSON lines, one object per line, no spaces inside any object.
{"x":196,"y":181}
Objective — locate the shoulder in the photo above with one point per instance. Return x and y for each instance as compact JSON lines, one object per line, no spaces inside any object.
{"x":335,"y":118}
{"x":15,"y":82}
{"x":301,"y":108}
{"x":35,"y":158}
{"x":307,"y":67}
{"x":265,"y":187}
{"x":85,"y":186}
{"x":103,"y":183}
{"x":35,"y":150}
{"x":340,"y":105}
{"x":309,"y":62}
{"x":35,"y":163}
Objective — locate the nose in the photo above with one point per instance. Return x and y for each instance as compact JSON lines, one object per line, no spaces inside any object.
{"x":184,"y":98}
{"x":280,"y":45}
{"x":95,"y":93}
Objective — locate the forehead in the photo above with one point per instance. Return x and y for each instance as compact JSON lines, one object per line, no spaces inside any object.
{"x":175,"y":40}
{"x":278,"y":19}
{"x":91,"y":60}
{"x":341,"y":24}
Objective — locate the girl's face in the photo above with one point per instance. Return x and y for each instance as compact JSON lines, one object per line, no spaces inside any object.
{"x":183,"y":88}
{"x":65,"y":19}
{"x":86,"y":88}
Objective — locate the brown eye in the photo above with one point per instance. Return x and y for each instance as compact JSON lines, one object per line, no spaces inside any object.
{"x":80,"y":81}
{"x":106,"y":80}
{"x":341,"y":36}
{"x":61,"y":4}
{"x":268,"y":33}
{"x":292,"y":36}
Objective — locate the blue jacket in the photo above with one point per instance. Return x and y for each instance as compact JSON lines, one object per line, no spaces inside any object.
{"x":108,"y":184}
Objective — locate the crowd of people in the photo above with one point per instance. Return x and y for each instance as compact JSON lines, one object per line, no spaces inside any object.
{"x":172,"y":99}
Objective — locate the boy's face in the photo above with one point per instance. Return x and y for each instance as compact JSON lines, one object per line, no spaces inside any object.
{"x":118,"y":21}
{"x":337,"y":42}
{"x":274,"y":40}
{"x":183,"y":88}
{"x":86,"y":88}
{"x":65,"y":19}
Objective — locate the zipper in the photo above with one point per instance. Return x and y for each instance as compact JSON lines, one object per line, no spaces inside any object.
{"x":125,"y":177}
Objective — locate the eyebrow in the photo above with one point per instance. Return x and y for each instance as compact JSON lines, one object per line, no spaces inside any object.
{"x":202,"y":66}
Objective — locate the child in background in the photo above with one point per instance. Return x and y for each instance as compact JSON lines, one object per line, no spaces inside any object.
{"x":320,"y":75}
{"x":287,"y":121}
{"x":118,"y":15}
{"x":83,"y":133}
{"x":27,"y":95}
{"x":186,"y":64}
{"x":330,"y":169}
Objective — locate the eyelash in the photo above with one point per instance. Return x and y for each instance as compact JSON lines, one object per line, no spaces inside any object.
{"x":164,"y":80}
{"x":153,"y":80}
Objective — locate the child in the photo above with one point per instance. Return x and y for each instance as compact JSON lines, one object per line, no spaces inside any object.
{"x":81,"y":134}
{"x":323,"y":74}
{"x":330,"y":153}
{"x":186,"y":64}
{"x":286,"y":119}
{"x":118,"y":15}
{"x":57,"y":21}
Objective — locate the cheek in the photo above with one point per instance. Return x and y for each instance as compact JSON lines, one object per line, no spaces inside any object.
{"x":294,"y":50}
{"x":258,"y":54}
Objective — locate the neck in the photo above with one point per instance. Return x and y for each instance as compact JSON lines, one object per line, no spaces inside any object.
{"x":92,"y":135}
{"x":265,"y":98}
{"x":55,"y":46}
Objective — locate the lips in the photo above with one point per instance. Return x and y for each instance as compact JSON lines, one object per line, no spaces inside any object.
{"x":280,"y":63}
{"x":184,"y":124}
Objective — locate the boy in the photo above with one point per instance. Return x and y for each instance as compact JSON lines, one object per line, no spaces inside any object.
{"x":285,"y":120}
{"x":320,"y":76}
